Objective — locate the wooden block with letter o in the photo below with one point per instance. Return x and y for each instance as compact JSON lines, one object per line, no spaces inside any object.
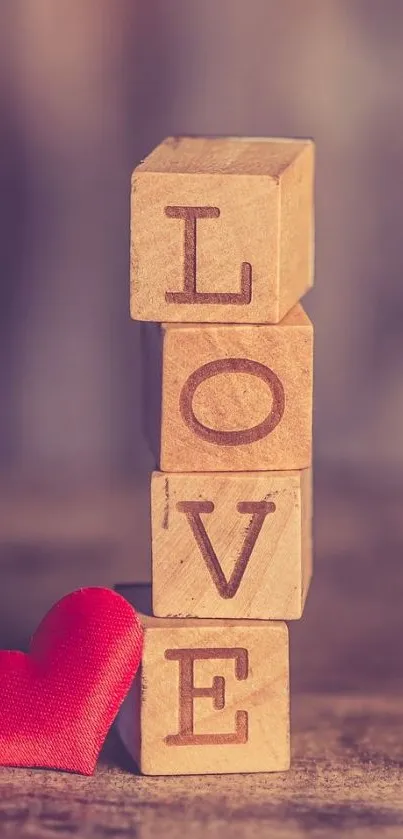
{"x":231,"y":545}
{"x":237,"y":398}
{"x":222,"y":230}
{"x":210,"y":697}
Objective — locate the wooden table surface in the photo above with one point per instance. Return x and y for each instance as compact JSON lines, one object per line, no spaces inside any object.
{"x":346,"y":669}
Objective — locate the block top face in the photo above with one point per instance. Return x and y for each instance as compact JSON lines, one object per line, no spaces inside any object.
{"x":223,"y":155}
{"x":222,"y":230}
{"x":140,"y":597}
{"x":297,"y":317}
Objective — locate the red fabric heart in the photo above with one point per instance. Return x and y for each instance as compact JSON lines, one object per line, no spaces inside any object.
{"x":58,"y":701}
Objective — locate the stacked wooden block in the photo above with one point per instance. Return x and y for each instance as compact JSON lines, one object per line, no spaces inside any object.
{"x":222,"y":251}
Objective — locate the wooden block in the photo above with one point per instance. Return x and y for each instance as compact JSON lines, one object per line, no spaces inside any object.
{"x":231,"y":545}
{"x":222,"y":230}
{"x":210,"y":697}
{"x":237,"y":398}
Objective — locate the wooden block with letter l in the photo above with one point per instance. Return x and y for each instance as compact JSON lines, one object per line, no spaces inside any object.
{"x":237,"y":398}
{"x":210,"y":696}
{"x":222,"y":230}
{"x":231,"y":545}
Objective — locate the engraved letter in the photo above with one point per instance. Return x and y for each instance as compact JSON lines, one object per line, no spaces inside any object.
{"x":259,"y":510}
{"x":188,"y":692}
{"x":190,"y":293}
{"x":232,"y":365}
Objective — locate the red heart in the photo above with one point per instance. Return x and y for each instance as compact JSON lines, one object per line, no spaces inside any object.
{"x":58,"y":701}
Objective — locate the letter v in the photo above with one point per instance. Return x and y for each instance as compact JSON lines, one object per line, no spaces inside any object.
{"x":259,"y":510}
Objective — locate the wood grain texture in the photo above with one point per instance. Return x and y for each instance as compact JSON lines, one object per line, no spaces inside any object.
{"x":346,"y":775}
{"x":237,"y":398}
{"x":212,"y":696}
{"x":231,"y":545}
{"x":222,"y":230}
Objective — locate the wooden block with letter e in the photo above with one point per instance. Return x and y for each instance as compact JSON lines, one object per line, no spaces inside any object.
{"x":237,"y":398}
{"x":222,"y":230}
{"x":210,"y":697}
{"x":231,"y":545}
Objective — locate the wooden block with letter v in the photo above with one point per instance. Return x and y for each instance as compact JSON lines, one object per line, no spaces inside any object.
{"x":237,"y":398}
{"x":210,"y":696}
{"x":222,"y":230}
{"x":231,"y":545}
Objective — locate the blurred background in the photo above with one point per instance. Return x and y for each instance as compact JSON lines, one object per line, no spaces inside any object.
{"x":86,"y":90}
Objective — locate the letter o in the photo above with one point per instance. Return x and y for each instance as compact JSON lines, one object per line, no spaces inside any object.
{"x":232,"y":365}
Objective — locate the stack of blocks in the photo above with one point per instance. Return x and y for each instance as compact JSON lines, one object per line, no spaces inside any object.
{"x":222,"y":251}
